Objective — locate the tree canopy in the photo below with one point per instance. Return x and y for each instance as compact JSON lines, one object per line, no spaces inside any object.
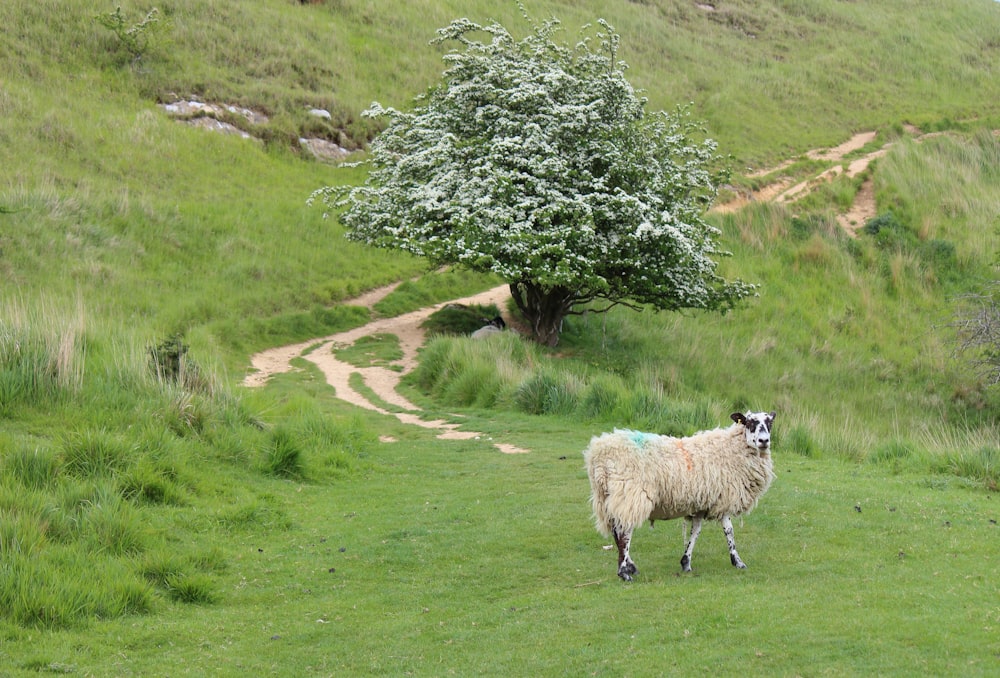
{"x":538,"y":162}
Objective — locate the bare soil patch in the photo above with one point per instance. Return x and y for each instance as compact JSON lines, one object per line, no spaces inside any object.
{"x":784,"y":191}
{"x":381,"y":380}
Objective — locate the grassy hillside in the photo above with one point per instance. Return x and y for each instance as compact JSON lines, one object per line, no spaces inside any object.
{"x":153,"y":514}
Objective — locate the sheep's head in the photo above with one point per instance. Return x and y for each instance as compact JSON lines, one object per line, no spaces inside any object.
{"x":756,"y":428}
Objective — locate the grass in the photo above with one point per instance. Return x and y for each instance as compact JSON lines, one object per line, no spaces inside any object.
{"x":373,"y":350}
{"x":475,"y":579}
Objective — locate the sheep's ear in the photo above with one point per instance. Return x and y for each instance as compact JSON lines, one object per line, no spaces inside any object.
{"x":738,"y":417}
{"x":771,"y":416}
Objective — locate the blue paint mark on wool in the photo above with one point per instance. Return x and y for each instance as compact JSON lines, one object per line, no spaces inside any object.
{"x":639,"y":437}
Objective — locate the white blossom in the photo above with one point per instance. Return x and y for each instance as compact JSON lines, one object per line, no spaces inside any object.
{"x":538,"y":162}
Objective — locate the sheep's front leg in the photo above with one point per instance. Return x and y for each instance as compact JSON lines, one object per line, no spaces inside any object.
{"x":727,"y":527}
{"x":689,"y":549}
{"x":623,"y":539}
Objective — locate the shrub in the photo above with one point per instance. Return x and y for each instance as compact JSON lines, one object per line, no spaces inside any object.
{"x":138,"y":38}
{"x":889,"y":232}
{"x":170,"y":363}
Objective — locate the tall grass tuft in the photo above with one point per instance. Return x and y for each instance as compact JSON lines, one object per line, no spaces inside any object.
{"x":193,"y":588}
{"x":546,"y":391}
{"x":95,"y":453}
{"x":798,"y":440}
{"x":981,"y":465}
{"x":33,"y":467}
{"x":283,"y":454}
{"x":41,"y":353}
{"x":36,"y":592}
{"x":21,"y":534}
{"x":113,"y":525}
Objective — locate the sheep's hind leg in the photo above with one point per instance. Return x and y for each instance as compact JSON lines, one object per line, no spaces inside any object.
{"x":727,"y":527}
{"x":623,"y":539}
{"x":689,"y":549}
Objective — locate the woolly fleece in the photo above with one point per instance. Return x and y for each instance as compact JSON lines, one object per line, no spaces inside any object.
{"x":637,"y":476}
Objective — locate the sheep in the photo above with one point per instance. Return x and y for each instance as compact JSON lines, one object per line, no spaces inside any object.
{"x":713,"y":475}
{"x":491,"y":327}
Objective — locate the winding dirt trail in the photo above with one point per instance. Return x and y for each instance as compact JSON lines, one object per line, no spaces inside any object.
{"x":383,"y":380}
{"x":784,"y":190}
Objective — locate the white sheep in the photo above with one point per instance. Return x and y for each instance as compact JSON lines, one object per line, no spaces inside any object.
{"x":715,"y":474}
{"x":491,"y":327}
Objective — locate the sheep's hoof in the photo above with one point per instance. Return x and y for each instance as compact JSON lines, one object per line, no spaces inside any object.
{"x":685,"y":564}
{"x":737,"y":563}
{"x":626,"y":571}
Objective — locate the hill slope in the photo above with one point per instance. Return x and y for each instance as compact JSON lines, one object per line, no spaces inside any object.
{"x":143,"y":261}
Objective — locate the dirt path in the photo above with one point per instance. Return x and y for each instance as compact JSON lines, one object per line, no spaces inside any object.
{"x":784,"y":191}
{"x":383,"y":381}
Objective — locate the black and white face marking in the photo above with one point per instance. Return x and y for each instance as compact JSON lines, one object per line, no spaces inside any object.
{"x":757,"y":427}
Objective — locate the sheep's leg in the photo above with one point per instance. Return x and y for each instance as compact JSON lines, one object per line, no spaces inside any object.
{"x":623,"y":539}
{"x":695,"y":531}
{"x":727,"y":527}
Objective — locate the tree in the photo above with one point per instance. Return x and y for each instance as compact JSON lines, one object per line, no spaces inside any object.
{"x":976,"y":322}
{"x":538,"y":162}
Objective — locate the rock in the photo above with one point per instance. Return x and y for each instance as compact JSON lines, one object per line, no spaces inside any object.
{"x":187,"y":109}
{"x":217,"y":126}
{"x":320,"y":113}
{"x":324,"y":150}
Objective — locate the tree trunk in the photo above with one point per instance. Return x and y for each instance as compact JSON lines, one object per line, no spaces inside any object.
{"x":543,"y":308}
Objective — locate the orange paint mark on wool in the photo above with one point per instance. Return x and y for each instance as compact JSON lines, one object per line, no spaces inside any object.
{"x":687,"y":455}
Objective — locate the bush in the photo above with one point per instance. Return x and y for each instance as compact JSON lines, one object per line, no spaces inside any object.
{"x":169,"y":362}
{"x":138,"y":38}
{"x":889,"y":232}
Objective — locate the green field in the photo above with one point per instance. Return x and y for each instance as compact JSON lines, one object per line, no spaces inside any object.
{"x":158,"y":518}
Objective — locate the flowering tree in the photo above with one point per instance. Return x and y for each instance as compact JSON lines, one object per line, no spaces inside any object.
{"x":538,"y":162}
